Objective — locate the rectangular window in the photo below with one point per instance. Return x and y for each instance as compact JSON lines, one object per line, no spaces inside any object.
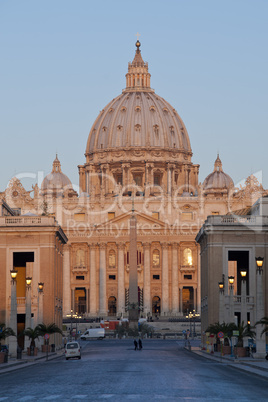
{"x":111,"y":215}
{"x":156,"y":180}
{"x":80,"y":278}
{"x":215,"y":213}
{"x":79,"y":217}
{"x":156,"y":277}
{"x":187,"y":216}
{"x":112,"y":277}
{"x":155,"y":215}
{"x":187,"y":276}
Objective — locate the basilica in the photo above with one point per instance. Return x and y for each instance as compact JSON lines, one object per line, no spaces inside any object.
{"x":138,"y":160}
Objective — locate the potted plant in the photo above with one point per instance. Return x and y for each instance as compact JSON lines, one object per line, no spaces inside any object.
{"x":48,"y":329}
{"x":4,"y":333}
{"x":33,"y":334}
{"x":227,"y":330}
{"x":244,"y":331}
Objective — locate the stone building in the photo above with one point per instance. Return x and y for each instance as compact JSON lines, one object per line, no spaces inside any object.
{"x":138,"y":156}
{"x":233,"y":287}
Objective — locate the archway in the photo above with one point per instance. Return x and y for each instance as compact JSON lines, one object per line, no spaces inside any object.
{"x":112,"y":306}
{"x":156,"y":305}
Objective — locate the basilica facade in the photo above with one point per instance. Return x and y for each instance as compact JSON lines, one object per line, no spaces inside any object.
{"x":138,"y":158}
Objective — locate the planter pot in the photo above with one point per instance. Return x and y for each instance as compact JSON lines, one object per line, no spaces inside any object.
{"x":226,"y":350}
{"x":32,"y":352}
{"x":2,"y":357}
{"x":240,"y":351}
{"x":46,"y":348}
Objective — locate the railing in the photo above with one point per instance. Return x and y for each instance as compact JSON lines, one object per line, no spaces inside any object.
{"x":187,"y":267}
{"x":21,"y":301}
{"x":26,"y":220}
{"x":80,"y":268}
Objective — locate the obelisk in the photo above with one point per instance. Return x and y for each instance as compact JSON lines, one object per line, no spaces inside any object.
{"x":133,"y":273}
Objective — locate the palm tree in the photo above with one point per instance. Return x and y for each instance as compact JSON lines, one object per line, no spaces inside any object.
{"x":48,"y":329}
{"x":226,"y":328}
{"x":5,"y":332}
{"x":244,"y":331}
{"x":263,"y":321}
{"x":32,"y":333}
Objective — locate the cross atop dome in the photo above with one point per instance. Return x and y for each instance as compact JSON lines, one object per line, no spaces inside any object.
{"x":138,"y":77}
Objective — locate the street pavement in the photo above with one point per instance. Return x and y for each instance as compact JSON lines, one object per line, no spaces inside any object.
{"x":111,"y":369}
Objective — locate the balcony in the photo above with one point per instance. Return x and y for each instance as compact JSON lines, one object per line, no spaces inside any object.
{"x":187,"y":268}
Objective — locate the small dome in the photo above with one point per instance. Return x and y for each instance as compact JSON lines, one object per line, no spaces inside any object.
{"x":56,"y":180}
{"x":218,"y":179}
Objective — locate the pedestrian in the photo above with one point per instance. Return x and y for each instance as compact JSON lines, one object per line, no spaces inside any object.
{"x":140,"y":344}
{"x":135,"y":344}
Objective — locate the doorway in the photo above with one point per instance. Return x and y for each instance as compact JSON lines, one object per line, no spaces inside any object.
{"x":156,"y":305}
{"x":112,"y":306}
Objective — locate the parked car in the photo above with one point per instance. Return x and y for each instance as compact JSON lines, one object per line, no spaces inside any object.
{"x":72,"y":349}
{"x":93,"y":333}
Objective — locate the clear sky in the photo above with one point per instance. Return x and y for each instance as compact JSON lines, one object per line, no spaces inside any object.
{"x":62,"y":61}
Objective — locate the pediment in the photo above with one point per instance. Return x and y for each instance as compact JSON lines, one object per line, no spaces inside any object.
{"x":122,"y":221}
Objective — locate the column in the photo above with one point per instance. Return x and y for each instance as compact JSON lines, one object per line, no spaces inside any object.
{"x":164,"y":301}
{"x":92,"y":282}
{"x":121,"y":279}
{"x":66,"y":281}
{"x":181,"y":303}
{"x":147,"y":279}
{"x":102,"y":289}
{"x":175,"y":280}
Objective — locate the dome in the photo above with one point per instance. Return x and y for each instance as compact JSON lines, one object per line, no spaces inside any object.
{"x":56,"y":180}
{"x":218,"y":179}
{"x":138,"y":118}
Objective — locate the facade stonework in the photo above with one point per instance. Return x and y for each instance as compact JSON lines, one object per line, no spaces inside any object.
{"x":138,"y":157}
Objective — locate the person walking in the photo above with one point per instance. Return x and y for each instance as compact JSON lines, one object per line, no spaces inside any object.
{"x":140,"y":344}
{"x":135,"y":344}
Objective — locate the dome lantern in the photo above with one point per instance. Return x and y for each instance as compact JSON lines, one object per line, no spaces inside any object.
{"x":138,"y":77}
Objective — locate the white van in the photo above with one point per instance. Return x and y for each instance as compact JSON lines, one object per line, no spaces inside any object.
{"x":93,"y":333}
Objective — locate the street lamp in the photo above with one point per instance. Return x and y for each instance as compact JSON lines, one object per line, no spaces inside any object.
{"x":28,"y":281}
{"x":40,"y":286}
{"x":13,"y":274}
{"x":221,"y":287}
{"x":231,"y":281}
{"x":259,"y":262}
{"x":243,"y":274}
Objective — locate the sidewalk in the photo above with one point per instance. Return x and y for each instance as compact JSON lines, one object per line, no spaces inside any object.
{"x":249,"y":364}
{"x":26,"y":361}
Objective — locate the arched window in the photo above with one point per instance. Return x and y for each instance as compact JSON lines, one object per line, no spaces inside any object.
{"x":187,"y":257}
{"x":112,"y":306}
{"x":80,"y":258}
{"x":156,"y":259}
{"x":111,"y":259}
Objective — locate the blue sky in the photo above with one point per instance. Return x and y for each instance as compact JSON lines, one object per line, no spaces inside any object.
{"x":62,"y":61}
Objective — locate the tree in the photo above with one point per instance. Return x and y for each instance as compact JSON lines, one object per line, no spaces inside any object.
{"x":226,"y":328}
{"x":49,"y":329}
{"x":33,"y":334}
{"x":263,"y":321}
{"x":244,"y":331}
{"x":5,"y":332}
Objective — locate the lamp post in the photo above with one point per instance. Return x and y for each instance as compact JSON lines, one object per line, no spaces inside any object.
{"x":13,"y":314}
{"x":40,"y":302}
{"x":243,"y":274}
{"x":194,"y":315}
{"x":260,"y":340}
{"x":221,"y":299}
{"x":231,"y":298}
{"x":28,"y":309}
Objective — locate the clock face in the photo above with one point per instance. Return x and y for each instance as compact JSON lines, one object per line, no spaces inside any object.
{"x":15,"y":193}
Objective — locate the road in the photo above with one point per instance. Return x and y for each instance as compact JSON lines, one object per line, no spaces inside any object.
{"x":112,"y":370}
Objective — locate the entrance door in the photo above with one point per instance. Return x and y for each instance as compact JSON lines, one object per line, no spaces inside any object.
{"x":156,"y":305}
{"x":112,"y":306}
{"x":80,"y":300}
